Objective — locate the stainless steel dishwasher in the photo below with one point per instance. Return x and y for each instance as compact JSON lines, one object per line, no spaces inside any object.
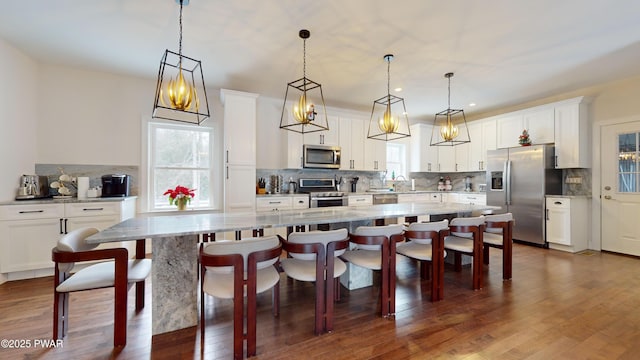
{"x":385,"y":198}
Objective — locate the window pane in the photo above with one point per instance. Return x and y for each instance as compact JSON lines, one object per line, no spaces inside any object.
{"x":181,"y":148}
{"x":193,"y":179}
{"x":628,"y":176}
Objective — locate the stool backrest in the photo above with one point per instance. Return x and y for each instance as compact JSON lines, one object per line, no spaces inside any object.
{"x":323,"y":237}
{"x":428,"y":226}
{"x":467,"y":221}
{"x":75,"y":241}
{"x":376,"y":231}
{"x":497,"y":218}
{"x":242,"y":247}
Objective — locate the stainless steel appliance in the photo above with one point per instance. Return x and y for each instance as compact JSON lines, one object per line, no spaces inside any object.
{"x":385,"y":198}
{"x":321,"y":156}
{"x":322,"y":192}
{"x":116,"y":185}
{"x":33,"y":187}
{"x":518,"y":179}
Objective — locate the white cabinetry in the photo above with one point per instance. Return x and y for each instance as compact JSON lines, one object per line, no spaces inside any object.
{"x":508,"y":128}
{"x":301,"y":202}
{"x":329,"y":137}
{"x":572,"y":135}
{"x":483,"y":138}
{"x":565,"y":223}
{"x":352,"y":139}
{"x":424,"y":157}
{"x":30,"y":231}
{"x":360,"y":200}
{"x":375,"y":155}
{"x":274,"y":203}
{"x":472,"y":199}
{"x":538,"y":121}
{"x":240,"y":149}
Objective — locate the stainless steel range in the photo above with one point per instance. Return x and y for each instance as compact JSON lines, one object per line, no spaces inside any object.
{"x":322,"y":192}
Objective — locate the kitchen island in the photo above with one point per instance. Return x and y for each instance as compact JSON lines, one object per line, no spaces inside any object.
{"x":174,"y":271}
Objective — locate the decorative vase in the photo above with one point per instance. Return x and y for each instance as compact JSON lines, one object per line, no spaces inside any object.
{"x":182,"y":204}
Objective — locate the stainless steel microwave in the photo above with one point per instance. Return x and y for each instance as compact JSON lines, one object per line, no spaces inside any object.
{"x":321,"y":156}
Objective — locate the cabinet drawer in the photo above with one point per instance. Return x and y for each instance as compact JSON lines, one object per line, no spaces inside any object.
{"x":91,"y":209}
{"x":274,"y":203}
{"x":405,"y":198}
{"x":301,"y":202}
{"x":421,"y":197}
{"x":360,"y":200}
{"x":34,"y":211}
{"x":558,"y":203}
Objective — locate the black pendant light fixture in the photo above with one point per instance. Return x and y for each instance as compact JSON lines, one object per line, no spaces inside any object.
{"x":450,"y":125}
{"x":180,"y":92}
{"x":389,"y":119}
{"x":305,"y":115}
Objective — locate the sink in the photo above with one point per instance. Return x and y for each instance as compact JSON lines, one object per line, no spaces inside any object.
{"x":380,"y":190}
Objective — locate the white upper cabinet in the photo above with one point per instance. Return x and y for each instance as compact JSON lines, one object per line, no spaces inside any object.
{"x":352,"y":138}
{"x":447,"y":158}
{"x":375,"y":155}
{"x":424,"y":157}
{"x":572,"y":135}
{"x":239,"y":127}
{"x":329,"y":137}
{"x":293,"y":150}
{"x":539,"y":122}
{"x":508,"y":129}
{"x":483,"y":138}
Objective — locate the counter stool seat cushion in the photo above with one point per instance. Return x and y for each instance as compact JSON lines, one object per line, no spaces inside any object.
{"x":221,"y":285}
{"x":492,"y":238}
{"x":103,"y":275}
{"x":365,"y":258}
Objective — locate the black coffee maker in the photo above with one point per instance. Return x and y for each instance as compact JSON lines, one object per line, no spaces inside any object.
{"x":354,"y":182}
{"x":115,"y":185}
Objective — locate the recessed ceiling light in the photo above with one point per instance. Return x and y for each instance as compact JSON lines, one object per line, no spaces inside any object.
{"x":398,"y":89}
{"x":472,"y":104}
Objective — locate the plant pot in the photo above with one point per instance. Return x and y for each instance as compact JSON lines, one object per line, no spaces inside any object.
{"x":181,"y":204}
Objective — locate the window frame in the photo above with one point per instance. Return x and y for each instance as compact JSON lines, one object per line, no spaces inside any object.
{"x":402,"y":160}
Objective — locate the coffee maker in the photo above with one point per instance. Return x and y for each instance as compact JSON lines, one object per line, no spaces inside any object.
{"x":33,"y":187}
{"x":467,"y":184}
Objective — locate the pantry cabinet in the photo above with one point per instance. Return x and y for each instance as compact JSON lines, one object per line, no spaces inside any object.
{"x":30,"y":231}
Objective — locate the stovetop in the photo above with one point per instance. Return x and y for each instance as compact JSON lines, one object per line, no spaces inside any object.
{"x":326,"y":194}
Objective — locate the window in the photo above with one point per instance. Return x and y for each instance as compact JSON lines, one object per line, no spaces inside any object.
{"x":396,"y":160}
{"x":180,"y":155}
{"x":628,"y":170}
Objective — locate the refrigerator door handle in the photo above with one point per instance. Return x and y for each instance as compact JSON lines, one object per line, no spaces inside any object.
{"x":508,"y":176}
{"x":505,"y":182}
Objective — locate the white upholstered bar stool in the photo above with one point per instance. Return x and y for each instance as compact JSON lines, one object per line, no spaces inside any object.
{"x":466,"y":238}
{"x":375,"y":249}
{"x":314,"y":258}
{"x":235,"y":269}
{"x":499,"y":234}
{"x":425,"y":244}
{"x":120,"y":273}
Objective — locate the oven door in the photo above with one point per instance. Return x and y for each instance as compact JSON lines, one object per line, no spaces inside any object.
{"x":317,"y":202}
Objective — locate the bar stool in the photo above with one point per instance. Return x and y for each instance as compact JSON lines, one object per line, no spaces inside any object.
{"x":235,"y":269}
{"x":425,"y":244}
{"x":499,"y":234}
{"x":466,"y":238}
{"x":314,"y":258}
{"x":375,"y":249}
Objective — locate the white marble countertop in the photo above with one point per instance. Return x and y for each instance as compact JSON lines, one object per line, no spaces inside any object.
{"x":168,"y":225}
{"x":64,"y":201}
{"x":372,"y":192}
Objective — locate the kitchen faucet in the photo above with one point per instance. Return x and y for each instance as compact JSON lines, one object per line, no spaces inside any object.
{"x":404,"y":179}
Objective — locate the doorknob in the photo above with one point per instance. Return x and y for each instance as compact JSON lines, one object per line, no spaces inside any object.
{"x":607,"y":187}
{"x":608,"y":197}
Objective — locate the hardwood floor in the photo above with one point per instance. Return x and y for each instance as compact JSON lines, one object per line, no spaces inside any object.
{"x":558,"y":306}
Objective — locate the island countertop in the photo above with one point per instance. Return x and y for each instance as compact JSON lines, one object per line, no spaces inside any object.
{"x":166,"y":225}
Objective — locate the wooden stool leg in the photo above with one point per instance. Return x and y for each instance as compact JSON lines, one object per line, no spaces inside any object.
{"x":485,"y":256}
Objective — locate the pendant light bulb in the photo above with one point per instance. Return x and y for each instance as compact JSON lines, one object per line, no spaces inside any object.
{"x":449,"y":131}
{"x":388,"y":123}
{"x":304,"y":112}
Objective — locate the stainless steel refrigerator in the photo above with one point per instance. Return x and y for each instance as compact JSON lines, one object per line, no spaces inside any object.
{"x":518,"y":180}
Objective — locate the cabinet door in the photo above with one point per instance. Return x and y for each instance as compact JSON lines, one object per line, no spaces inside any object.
{"x":446,"y":158}
{"x":274,"y":203}
{"x":329,"y":137}
{"x":301,"y":202}
{"x":558,"y":221}
{"x":352,"y":135}
{"x":540,"y":125}
{"x":476,"y":146}
{"x":239,"y":127}
{"x":360,"y":200}
{"x":571,"y":137}
{"x":375,"y":155}
{"x":240,"y":185}
{"x":509,"y":128}
{"x":27,"y":244}
{"x":462,"y":157}
{"x":293,"y":150}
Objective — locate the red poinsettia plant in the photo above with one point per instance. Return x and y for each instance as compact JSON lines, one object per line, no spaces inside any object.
{"x":180,"y":194}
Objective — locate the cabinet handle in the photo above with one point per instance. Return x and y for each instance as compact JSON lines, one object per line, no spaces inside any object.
{"x":227,"y":173}
{"x":556,"y":161}
{"x":92,"y":209}
{"x":438,"y":166}
{"x":227,"y":157}
{"x":65,"y":225}
{"x":428,"y":166}
{"x":547,"y":215}
{"x":456,"y":167}
{"x":30,"y":211}
{"x":274,"y":202}
{"x":61,"y":232}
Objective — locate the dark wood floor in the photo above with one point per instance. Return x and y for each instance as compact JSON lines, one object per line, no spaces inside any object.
{"x":558,"y":306}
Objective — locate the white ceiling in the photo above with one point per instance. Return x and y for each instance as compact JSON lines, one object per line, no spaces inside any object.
{"x":503,"y":52}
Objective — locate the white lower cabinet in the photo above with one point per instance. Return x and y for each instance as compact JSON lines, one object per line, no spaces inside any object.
{"x":360,"y":200}
{"x":565,"y":223}
{"x":31,"y":231}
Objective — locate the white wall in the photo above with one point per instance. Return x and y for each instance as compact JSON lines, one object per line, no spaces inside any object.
{"x":18,"y":111}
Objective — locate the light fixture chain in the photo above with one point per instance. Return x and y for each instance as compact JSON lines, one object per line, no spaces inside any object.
{"x":180,"y":38}
{"x":388,"y":78}
{"x":449,"y":96}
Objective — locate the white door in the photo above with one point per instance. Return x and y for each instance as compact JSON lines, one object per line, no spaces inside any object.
{"x":620,"y":158}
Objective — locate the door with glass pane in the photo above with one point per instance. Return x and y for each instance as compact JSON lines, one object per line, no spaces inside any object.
{"x":620,"y":157}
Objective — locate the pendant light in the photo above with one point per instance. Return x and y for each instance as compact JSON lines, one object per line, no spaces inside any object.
{"x":180,"y":91}
{"x":305,"y":115}
{"x":449,"y":126}
{"x":389,"y":119}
